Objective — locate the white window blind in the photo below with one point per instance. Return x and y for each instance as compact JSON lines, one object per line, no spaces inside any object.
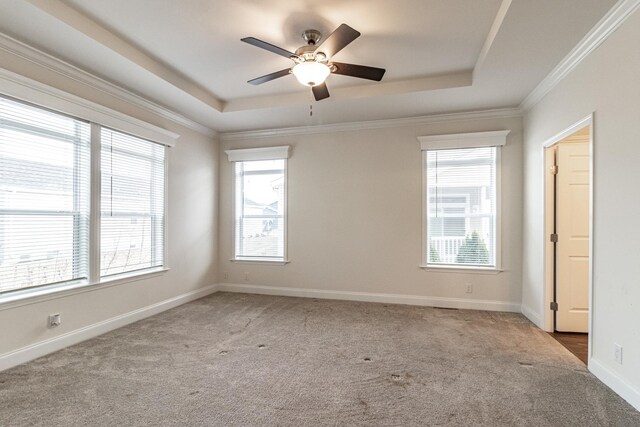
{"x":132,"y":203}
{"x":260,"y":209}
{"x":44,"y":196}
{"x":461,"y":207}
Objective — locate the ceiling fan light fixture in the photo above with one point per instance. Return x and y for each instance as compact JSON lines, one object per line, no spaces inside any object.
{"x":311,"y":61}
{"x":311,"y":73}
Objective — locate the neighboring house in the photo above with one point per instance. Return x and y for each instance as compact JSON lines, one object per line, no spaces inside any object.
{"x":261,"y":220}
{"x":47,"y":260}
{"x":265,"y":215}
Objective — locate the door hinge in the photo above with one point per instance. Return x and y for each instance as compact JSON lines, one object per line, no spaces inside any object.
{"x":554,"y":306}
{"x":554,"y":169}
{"x":554,"y":237}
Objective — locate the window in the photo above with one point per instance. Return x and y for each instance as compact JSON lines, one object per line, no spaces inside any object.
{"x":44,"y":197}
{"x":45,"y":200}
{"x":260,"y":203}
{"x":260,"y":193}
{"x":461,"y":200}
{"x":132,"y":203}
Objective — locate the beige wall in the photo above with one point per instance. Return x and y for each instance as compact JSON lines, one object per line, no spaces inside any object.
{"x":191,"y":228}
{"x":605,"y":83}
{"x":355,"y":215}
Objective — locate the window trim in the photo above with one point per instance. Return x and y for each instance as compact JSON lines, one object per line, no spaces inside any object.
{"x":42,"y":293}
{"x":260,"y":154}
{"x":39,"y":95}
{"x":495,"y":139}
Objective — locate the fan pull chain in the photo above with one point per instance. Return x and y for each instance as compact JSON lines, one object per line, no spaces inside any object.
{"x":310,"y":110}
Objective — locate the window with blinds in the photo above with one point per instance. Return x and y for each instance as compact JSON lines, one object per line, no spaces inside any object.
{"x":44,"y":196}
{"x":260,"y":210}
{"x":132,"y":203}
{"x":461,"y":207}
{"x":46,"y":200}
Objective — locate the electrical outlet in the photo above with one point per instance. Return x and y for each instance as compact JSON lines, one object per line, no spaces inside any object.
{"x":226,"y":275}
{"x":617,"y":353}
{"x":246,"y":276}
{"x":54,"y":320}
{"x":469,"y":288}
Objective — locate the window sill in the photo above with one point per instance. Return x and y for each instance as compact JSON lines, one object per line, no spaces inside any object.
{"x":132,"y":276}
{"x":260,"y":261}
{"x":462,"y":269}
{"x":31,"y":296}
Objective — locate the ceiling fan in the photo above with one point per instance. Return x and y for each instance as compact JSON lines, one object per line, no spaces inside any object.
{"x":313,"y":63}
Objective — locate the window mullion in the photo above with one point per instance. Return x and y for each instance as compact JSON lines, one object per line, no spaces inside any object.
{"x":152,"y":211}
{"x":95,"y":213}
{"x":78,"y":248}
{"x":285,"y":211}
{"x":241,"y":195}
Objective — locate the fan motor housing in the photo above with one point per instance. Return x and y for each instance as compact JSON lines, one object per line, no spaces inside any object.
{"x":307,"y":52}
{"x":312,"y":37}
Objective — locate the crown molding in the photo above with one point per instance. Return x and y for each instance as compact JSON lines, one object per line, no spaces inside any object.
{"x":616,"y":16}
{"x":35,"y":92}
{"x":72,"y":72}
{"x":374,"y":124}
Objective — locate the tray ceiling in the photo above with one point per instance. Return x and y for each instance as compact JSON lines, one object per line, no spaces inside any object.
{"x":440,"y":55}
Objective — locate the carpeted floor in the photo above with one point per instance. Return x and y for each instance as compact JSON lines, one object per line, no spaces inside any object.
{"x":249,"y":360}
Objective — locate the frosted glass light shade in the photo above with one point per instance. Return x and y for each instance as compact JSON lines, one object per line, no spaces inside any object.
{"x":311,"y":73}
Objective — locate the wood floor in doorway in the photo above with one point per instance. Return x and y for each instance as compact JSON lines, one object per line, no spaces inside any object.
{"x":575,"y":343}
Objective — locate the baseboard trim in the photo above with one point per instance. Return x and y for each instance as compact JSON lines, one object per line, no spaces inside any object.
{"x":535,"y":318}
{"x":42,"y":348}
{"x":372,"y":297}
{"x":616,"y":383}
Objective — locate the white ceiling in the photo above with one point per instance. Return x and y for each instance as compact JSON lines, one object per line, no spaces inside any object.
{"x":440,"y":55}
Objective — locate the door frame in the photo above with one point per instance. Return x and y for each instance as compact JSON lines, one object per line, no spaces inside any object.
{"x":548,"y":213}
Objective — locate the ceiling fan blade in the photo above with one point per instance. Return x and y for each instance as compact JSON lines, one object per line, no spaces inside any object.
{"x":337,"y":40}
{"x":268,"y":46}
{"x":320,"y":92}
{"x":360,"y":71}
{"x":269,"y":77}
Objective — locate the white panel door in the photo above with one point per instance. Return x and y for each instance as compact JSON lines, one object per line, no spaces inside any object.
{"x":572,"y":227}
